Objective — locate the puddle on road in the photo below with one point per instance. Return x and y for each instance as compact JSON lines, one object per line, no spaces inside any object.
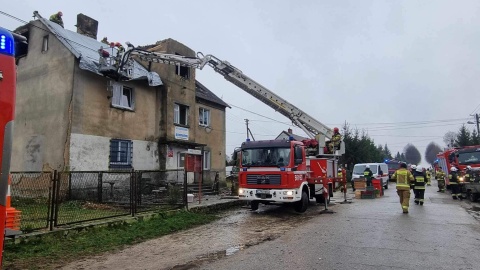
{"x":237,"y":230}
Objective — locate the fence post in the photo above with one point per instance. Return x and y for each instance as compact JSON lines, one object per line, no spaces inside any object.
{"x":51,"y":209}
{"x":99,"y":187}
{"x":57,"y":198}
{"x":133,"y":193}
{"x":185,"y":189}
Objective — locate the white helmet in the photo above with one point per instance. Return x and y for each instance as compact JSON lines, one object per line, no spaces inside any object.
{"x":469,"y":167}
{"x":414,"y":167}
{"x":453,"y":169}
{"x":419,"y":169}
{"x":367,"y":167}
{"x":339,"y":169}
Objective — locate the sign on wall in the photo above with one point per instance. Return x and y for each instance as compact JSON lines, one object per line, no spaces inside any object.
{"x":181,"y":133}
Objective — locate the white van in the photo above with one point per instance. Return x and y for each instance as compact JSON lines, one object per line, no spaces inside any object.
{"x":379,"y":170}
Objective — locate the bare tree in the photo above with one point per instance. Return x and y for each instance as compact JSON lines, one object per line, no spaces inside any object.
{"x":449,"y":138}
{"x":431,"y":152}
{"x":412,"y":155}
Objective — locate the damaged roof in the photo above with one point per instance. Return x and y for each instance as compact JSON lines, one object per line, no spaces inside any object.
{"x":86,"y":50}
{"x":203,"y":93}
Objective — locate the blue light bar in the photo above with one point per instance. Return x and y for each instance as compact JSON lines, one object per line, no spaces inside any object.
{"x":7,"y":44}
{"x":244,"y":169}
{"x":282,"y":169}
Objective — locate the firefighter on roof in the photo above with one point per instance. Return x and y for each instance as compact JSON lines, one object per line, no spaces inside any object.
{"x":105,"y":40}
{"x":57,"y":18}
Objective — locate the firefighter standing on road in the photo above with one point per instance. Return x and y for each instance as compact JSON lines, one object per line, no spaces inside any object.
{"x":454,"y":183}
{"x":469,"y":174}
{"x":57,"y":18}
{"x":368,"y":174}
{"x":429,"y":176}
{"x":419,"y":188}
{"x":403,"y":177}
{"x":440,"y":176}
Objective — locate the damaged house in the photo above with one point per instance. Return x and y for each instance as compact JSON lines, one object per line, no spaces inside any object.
{"x":71,"y":117}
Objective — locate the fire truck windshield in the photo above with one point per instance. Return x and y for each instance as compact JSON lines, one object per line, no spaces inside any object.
{"x":466,"y":158}
{"x":273,"y":156}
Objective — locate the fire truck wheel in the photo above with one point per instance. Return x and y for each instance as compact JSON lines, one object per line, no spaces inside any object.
{"x":301,"y":206}
{"x":254,"y":205}
{"x":472,"y":196}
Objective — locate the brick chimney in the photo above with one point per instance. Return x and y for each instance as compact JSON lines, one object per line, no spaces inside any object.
{"x":87,"y":26}
{"x":289,"y":131}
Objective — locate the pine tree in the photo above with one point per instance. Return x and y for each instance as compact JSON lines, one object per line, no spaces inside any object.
{"x":463,"y":137}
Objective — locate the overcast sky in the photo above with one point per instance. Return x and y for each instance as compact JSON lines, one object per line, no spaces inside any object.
{"x":405,"y":71}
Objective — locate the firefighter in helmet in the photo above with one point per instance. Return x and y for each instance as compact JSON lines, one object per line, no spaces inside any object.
{"x":57,"y":18}
{"x":419,"y":185}
{"x":403,"y":177}
{"x":454,"y":183}
{"x":429,"y":176}
{"x":440,"y":176}
{"x":469,"y":174}
{"x":368,"y":174}
{"x":334,"y":143}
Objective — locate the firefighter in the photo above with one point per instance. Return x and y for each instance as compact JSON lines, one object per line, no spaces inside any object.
{"x":105,"y":40}
{"x":419,"y":185}
{"x":429,"y":176}
{"x":469,"y":174}
{"x":440,"y":176}
{"x":454,"y":183}
{"x":368,"y":174}
{"x":413,"y":168}
{"x":334,"y":143}
{"x":340,"y":178}
{"x":403,"y":177}
{"x":57,"y":18}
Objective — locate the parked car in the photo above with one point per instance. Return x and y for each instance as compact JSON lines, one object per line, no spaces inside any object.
{"x":379,"y":170}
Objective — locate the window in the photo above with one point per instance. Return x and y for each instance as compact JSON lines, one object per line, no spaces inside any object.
{"x":45,"y":43}
{"x":180,"y":114}
{"x":204,"y":117}
{"x":181,"y":160}
{"x":206,"y":160}
{"x":123,"y":97}
{"x":182,"y":71}
{"x":120,"y":153}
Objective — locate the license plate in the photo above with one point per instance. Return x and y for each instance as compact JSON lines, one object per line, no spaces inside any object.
{"x":260,"y":191}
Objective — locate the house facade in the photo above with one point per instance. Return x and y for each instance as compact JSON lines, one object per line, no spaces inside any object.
{"x":71,"y":117}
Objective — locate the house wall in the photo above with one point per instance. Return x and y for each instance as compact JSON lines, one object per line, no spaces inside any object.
{"x":95,"y":121}
{"x":214,"y":139}
{"x":44,"y":94}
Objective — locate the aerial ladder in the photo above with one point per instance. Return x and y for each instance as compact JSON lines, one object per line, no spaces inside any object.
{"x":120,"y":66}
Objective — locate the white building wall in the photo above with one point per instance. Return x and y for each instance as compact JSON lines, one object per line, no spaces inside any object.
{"x":92,"y":153}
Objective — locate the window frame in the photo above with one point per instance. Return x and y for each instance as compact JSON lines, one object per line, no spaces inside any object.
{"x":201,"y":114}
{"x":115,"y":157}
{"x":206,"y":160}
{"x":118,"y":94}
{"x":177,"y":108}
{"x":45,"y":43}
{"x":179,"y":160}
{"x":182,"y":71}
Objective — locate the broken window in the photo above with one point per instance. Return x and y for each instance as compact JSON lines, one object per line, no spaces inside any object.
{"x":121,"y":153}
{"x":182,"y":71}
{"x":204,"y":117}
{"x":180,"y":114}
{"x":45,"y":43}
{"x":123,"y":97}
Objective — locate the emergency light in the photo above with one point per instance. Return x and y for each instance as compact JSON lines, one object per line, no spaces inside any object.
{"x":6,"y":43}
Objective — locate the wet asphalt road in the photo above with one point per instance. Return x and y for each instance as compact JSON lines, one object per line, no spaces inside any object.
{"x":373,"y":234}
{"x":367,"y":234}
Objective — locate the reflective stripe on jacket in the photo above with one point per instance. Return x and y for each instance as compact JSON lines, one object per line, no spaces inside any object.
{"x":403,"y":177}
{"x":453,"y":178}
{"x":419,"y":181}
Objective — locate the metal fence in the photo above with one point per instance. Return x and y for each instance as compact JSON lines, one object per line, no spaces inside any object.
{"x":51,"y":199}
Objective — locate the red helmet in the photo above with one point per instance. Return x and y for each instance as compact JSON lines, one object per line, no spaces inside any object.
{"x":335,"y":130}
{"x":118,"y":44}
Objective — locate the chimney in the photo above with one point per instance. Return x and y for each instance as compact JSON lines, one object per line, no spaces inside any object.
{"x":289,"y":131}
{"x":87,"y":26}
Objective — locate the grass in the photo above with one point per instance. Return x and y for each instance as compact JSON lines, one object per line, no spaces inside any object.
{"x":49,"y":252}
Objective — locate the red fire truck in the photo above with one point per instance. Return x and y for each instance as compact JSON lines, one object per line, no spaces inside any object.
{"x":460,"y":157}
{"x":7,"y":112}
{"x":271,"y":171}
{"x":393,"y":165}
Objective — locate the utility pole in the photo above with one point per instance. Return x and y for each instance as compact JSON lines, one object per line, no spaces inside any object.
{"x":478,"y":128}
{"x":249,"y":131}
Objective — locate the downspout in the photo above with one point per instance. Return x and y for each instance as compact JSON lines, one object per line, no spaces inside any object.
{"x":66,"y":149}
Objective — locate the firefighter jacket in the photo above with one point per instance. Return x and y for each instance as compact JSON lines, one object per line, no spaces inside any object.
{"x":56,"y":19}
{"x":453,"y":177}
{"x":429,"y":175}
{"x":469,"y":176}
{"x":340,"y":175}
{"x":368,"y":174}
{"x":420,"y":180}
{"x":336,"y":138}
{"x":440,"y":175}
{"x":403,"y":177}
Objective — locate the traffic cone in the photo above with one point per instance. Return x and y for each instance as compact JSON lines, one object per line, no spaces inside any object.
{"x":13,"y":215}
